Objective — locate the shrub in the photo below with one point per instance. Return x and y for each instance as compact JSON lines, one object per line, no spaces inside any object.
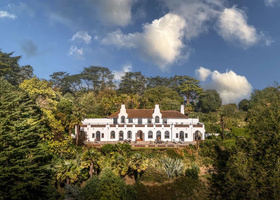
{"x":192,"y":172}
{"x":89,"y":191}
{"x":172,"y":167}
{"x":153,"y":174}
{"x":72,"y":192}
{"x":106,"y":149}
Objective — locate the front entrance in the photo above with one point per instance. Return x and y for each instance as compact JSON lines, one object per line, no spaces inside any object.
{"x":197,"y":135}
{"x":158,"y":136}
{"x":98,"y":136}
{"x":140,"y":136}
{"x":181,"y":136}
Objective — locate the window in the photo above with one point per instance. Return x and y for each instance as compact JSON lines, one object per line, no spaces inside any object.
{"x":102,"y":135}
{"x":158,"y":135}
{"x":139,"y":120}
{"x":121,"y":135}
{"x":92,"y":135}
{"x":129,"y":135}
{"x":165,"y":121}
{"x":112,"y":135}
{"x":115,"y":121}
{"x":181,"y":135}
{"x":149,"y":120}
{"x":150,"y":134}
{"x":123,"y":119}
{"x":177,"y":135}
{"x":186,"y":135}
{"x":157,"y":119}
{"x":130,"y":120}
{"x":166,"y":135}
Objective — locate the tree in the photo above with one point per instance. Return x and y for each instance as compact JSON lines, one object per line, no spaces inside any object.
{"x":250,"y":170}
{"x":187,"y":87}
{"x":157,"y":81}
{"x":111,"y":186}
{"x":97,"y":78}
{"x":138,"y":163}
{"x":133,"y":83}
{"x":60,"y":81}
{"x":210,"y":101}
{"x":166,"y":97}
{"x":244,"y":105}
{"x":11,"y":71}
{"x":23,"y":164}
{"x":90,"y":160}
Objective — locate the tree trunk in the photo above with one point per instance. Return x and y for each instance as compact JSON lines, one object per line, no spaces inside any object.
{"x":70,"y":132}
{"x":67,"y":181}
{"x":223,"y":130}
{"x":78,"y":134}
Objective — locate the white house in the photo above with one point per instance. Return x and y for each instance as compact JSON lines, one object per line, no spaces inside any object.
{"x":144,"y":125}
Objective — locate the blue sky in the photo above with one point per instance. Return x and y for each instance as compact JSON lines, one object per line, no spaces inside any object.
{"x":231,"y":46}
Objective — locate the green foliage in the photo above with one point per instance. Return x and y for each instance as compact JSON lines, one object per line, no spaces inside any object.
{"x":133,"y":83}
{"x":210,"y":101}
{"x":192,"y":172}
{"x":153,"y":174}
{"x":239,"y":132}
{"x":244,"y":104}
{"x":111,"y":186}
{"x":172,"y":167}
{"x":107,"y":149}
{"x":23,"y":161}
{"x":72,"y":192}
{"x":180,"y":188}
{"x":172,"y":153}
{"x":90,"y":191}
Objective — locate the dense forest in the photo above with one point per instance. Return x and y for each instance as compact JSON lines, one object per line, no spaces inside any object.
{"x":40,"y":160}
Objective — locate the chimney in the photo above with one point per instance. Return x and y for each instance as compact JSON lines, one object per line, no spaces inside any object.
{"x":123,"y":108}
{"x":183,"y":109}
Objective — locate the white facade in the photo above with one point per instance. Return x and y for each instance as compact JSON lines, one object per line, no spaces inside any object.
{"x":144,"y":125}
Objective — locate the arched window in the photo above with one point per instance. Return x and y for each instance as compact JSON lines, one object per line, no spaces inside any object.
{"x":123,"y":119}
{"x":112,"y":135}
{"x":129,"y":134}
{"x":157,"y":119}
{"x":150,"y":134}
{"x":166,"y":135}
{"x":158,"y":135}
{"x":121,"y":135}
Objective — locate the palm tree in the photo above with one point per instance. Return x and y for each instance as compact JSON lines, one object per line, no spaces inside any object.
{"x":68,"y":170}
{"x":119,"y":163}
{"x":90,"y":159}
{"x":138,"y":163}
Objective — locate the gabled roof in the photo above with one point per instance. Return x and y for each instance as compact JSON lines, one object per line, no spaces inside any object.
{"x":148,"y":113}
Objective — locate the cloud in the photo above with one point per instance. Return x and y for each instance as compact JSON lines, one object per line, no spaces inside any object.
{"x":160,"y":42}
{"x":202,"y":73}
{"x":81,"y":36}
{"x":271,"y":2}
{"x":29,"y":48}
{"x":197,"y":14}
{"x":76,"y":52}
{"x":114,"y":12}
{"x":119,"y":74}
{"x":233,"y":27}
{"x":5,"y":14}
{"x":231,"y":87}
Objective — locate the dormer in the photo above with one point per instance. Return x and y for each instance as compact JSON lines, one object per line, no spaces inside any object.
{"x":122,"y":116}
{"x":157,"y":116}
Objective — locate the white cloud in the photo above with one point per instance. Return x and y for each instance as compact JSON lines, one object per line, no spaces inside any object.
{"x":5,"y":14}
{"x":196,"y":14}
{"x":271,"y":2}
{"x":76,"y":52}
{"x":233,"y":27}
{"x":120,"y":40}
{"x":160,"y":42}
{"x":231,"y":87}
{"x":81,"y":36}
{"x":119,"y":74}
{"x":203,"y":73}
{"x":114,"y":12}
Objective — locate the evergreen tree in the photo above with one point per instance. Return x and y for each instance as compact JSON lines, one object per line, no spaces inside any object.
{"x":23,"y":162}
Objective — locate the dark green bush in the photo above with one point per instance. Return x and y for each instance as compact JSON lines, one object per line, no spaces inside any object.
{"x":192,"y":172}
{"x":106,"y":149}
{"x":152,"y":174}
